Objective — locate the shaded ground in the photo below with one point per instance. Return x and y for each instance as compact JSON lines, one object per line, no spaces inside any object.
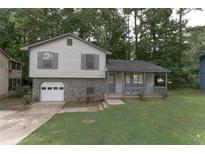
{"x":179,"y":119}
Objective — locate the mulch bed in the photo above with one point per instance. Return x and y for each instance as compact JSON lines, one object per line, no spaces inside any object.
{"x":81,"y":104}
{"x":88,"y":121}
{"x":16,"y":107}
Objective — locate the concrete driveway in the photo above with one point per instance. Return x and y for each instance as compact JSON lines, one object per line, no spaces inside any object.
{"x":16,"y":125}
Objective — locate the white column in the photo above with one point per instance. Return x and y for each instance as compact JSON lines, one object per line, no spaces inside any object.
{"x":166,"y":81}
{"x":107,"y":83}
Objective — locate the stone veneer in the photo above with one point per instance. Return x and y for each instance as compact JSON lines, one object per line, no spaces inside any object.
{"x":74,"y":89}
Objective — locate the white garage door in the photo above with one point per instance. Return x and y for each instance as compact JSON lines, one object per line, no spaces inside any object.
{"x":52,"y":91}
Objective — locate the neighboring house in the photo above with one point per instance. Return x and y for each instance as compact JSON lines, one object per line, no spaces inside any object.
{"x":10,"y":74}
{"x":68,"y":68}
{"x":202,"y":70}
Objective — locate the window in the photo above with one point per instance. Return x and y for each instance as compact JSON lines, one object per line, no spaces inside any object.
{"x":13,"y":65}
{"x":14,"y":84}
{"x":61,"y":88}
{"x":48,"y":60}
{"x":69,"y":42}
{"x":10,"y":84}
{"x":18,"y":66}
{"x":43,"y":88}
{"x":138,"y":79}
{"x":127,"y":78}
{"x":90,"y":61}
{"x":90,"y":91}
{"x":49,"y":88}
{"x":18,"y":83}
{"x":55,"y":88}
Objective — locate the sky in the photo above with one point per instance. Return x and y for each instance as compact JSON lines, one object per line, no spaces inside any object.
{"x":196,"y":18}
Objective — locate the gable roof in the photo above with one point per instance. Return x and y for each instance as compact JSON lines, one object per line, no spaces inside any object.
{"x":26,"y":48}
{"x":9,"y":57}
{"x":133,"y":66}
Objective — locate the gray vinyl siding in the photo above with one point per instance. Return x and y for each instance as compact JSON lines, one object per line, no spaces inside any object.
{"x":4,"y":74}
{"x":69,"y":60}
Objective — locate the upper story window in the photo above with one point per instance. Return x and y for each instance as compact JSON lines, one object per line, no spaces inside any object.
{"x":47,"y":60}
{"x":69,"y":42}
{"x":90,"y":61}
{"x":18,"y":66}
{"x":13,"y":66}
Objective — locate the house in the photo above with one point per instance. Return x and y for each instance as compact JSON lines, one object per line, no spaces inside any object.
{"x":67,"y":68}
{"x":202,"y":70}
{"x":10,"y":74}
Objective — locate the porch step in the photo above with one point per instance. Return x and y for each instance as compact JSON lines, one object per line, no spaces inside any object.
{"x":113,"y":102}
{"x":105,"y":105}
{"x":101,"y":108}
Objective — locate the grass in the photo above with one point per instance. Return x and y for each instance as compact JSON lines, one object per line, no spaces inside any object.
{"x":11,"y":101}
{"x":179,"y":119}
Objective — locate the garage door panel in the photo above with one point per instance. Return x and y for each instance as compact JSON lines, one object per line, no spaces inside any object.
{"x":52,"y":91}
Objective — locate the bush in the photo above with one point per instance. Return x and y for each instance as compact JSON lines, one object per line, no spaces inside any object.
{"x":164,"y":94}
{"x":141,"y":95}
{"x":27,"y":98}
{"x":24,"y":90}
{"x":196,"y":85}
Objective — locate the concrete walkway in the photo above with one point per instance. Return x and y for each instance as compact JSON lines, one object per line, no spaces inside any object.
{"x":114,"y":102}
{"x":16,"y":125}
{"x":80,"y":109}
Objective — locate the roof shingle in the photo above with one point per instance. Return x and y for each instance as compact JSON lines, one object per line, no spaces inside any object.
{"x":133,"y":66}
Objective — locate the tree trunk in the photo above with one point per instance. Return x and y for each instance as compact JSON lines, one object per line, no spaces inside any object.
{"x":136,"y":33}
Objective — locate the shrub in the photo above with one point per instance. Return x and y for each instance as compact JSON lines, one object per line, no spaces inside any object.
{"x":164,"y":94}
{"x":24,"y":90}
{"x":196,"y":85}
{"x":141,"y":95}
{"x":27,"y":98}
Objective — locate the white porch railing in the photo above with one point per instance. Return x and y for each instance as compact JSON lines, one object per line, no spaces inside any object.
{"x":146,"y":91}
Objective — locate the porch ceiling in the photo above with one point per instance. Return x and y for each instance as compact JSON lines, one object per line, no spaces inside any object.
{"x":133,"y":66}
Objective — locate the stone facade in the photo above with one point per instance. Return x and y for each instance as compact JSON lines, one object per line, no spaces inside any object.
{"x":74,"y":89}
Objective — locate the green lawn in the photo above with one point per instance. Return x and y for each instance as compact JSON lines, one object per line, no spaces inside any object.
{"x":179,"y":119}
{"x":11,"y":101}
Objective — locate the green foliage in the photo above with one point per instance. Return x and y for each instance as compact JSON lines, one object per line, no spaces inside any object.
{"x":155,"y":36}
{"x":141,"y":95}
{"x":195,"y":85}
{"x":27,"y":98}
{"x":24,"y":90}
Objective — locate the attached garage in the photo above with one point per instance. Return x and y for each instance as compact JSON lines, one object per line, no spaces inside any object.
{"x":52,"y":91}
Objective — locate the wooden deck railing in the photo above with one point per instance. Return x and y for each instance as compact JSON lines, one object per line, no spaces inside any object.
{"x":146,"y":91}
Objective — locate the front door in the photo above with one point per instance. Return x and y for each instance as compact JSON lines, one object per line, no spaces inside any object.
{"x":111,"y":83}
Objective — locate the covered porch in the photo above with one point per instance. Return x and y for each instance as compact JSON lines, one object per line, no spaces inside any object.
{"x":126,"y":78}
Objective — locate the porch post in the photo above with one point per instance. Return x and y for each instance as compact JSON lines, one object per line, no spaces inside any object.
{"x":107,"y":83}
{"x":123,"y":82}
{"x":166,"y":81}
{"x":144,"y":82}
